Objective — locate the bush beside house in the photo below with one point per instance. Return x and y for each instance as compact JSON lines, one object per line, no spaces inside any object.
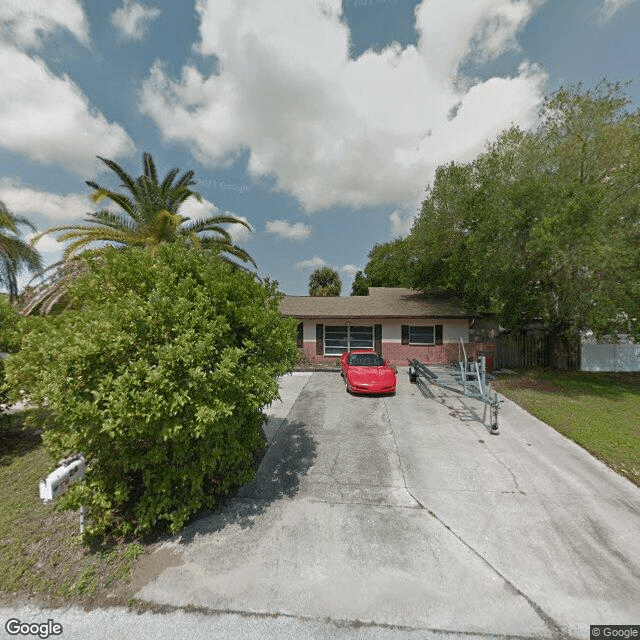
{"x":157,"y":373}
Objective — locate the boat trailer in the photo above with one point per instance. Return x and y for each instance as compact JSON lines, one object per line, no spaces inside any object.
{"x":471,"y":380}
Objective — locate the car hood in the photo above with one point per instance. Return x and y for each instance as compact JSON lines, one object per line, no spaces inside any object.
{"x":378,"y":375}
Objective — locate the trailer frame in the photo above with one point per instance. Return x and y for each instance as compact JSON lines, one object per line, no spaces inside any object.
{"x":472,"y":377}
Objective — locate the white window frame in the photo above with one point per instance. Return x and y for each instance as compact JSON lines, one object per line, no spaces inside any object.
{"x":348,"y":347}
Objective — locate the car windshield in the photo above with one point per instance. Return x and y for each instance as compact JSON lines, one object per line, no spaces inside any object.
{"x":366,"y":360}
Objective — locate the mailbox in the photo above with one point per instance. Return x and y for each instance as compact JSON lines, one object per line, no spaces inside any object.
{"x":58,"y":481}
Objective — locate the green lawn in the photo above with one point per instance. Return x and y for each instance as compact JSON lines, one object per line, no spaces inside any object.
{"x":599,"y":411}
{"x":41,"y":551}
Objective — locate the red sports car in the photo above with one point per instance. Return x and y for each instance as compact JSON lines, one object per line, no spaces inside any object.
{"x":367,"y":372}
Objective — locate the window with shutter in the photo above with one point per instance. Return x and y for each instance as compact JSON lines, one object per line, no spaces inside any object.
{"x":422,"y":334}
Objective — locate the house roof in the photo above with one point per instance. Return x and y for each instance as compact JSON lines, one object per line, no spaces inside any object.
{"x":382,"y":302}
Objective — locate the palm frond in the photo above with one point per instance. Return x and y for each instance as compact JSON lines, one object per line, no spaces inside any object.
{"x":168,"y":179}
{"x":11,"y":221}
{"x":205,"y":224}
{"x":55,"y":279}
{"x":127,"y":180}
{"x":219,"y":246}
{"x":150,"y":215}
{"x":186,"y":179}
{"x":149,"y":167}
{"x":197,"y":227}
{"x":20,"y":252}
{"x":106,"y":236}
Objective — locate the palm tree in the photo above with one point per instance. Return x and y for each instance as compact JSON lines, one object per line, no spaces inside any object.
{"x":324,"y":282}
{"x":150,"y":216}
{"x":15,"y":253}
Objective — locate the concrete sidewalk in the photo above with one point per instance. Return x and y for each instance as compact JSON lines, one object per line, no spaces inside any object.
{"x":405,"y":511}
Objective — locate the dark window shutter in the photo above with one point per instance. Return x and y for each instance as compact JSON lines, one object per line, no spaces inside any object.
{"x":378,"y":338}
{"x":438,"y":334}
{"x":405,"y":334}
{"x":319,"y":340}
{"x":300,"y":335}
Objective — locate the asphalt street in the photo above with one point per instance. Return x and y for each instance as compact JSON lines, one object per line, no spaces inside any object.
{"x":401,"y":517}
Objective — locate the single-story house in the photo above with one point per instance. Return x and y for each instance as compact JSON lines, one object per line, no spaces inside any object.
{"x":401,"y":324}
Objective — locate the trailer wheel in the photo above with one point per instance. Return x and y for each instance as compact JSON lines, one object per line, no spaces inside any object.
{"x":494,"y":418}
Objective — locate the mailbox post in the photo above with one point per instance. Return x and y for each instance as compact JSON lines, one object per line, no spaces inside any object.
{"x":71,"y":470}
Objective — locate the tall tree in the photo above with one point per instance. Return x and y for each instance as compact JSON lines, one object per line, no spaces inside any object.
{"x":150,"y":215}
{"x":545,"y":225}
{"x":360,"y":286}
{"x":16,"y":254}
{"x":325,"y":282}
{"x":390,"y":264}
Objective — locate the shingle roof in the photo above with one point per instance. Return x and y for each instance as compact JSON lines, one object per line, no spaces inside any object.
{"x":382,"y":302}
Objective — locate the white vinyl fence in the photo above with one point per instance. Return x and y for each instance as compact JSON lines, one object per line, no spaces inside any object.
{"x":610,"y":357}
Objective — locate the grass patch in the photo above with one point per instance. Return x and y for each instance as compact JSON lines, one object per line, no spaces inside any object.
{"x":598,"y":411}
{"x":42,"y":553}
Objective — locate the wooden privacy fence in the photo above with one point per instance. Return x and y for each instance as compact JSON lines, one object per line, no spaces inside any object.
{"x":537,"y":351}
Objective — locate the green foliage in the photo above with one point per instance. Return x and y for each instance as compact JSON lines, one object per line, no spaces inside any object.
{"x":9,"y":339}
{"x":325,"y":282}
{"x":544,"y":225}
{"x":9,"y":320}
{"x":360,"y":286}
{"x":157,"y":373}
{"x":390,"y":264}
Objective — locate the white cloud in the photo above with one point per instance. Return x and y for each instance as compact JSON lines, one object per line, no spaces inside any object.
{"x":195,"y":210}
{"x":26,"y":23}
{"x":610,"y":7}
{"x":49,"y":119}
{"x":288,"y":231}
{"x":312,"y":263}
{"x":400,"y":224}
{"x":47,"y":244}
{"x":57,"y":208}
{"x":239,"y":233}
{"x":332,"y":130}
{"x":132,"y":19}
{"x":351,"y":269}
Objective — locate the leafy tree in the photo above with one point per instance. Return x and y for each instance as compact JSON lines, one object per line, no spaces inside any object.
{"x":390,"y":264}
{"x":360,"y":286}
{"x":544,"y":225}
{"x":150,"y":215}
{"x":157,"y":372}
{"x":325,"y":282}
{"x":15,"y":254}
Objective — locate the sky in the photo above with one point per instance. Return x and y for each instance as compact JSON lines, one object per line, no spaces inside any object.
{"x":319,"y":122}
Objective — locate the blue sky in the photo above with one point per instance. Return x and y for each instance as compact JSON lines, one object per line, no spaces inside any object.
{"x":320,"y":122}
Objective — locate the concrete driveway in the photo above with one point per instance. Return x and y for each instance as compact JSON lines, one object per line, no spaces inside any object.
{"x":405,"y":511}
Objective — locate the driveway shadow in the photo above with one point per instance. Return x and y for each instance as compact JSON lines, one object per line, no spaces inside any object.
{"x":464,"y":411}
{"x":290,"y":455}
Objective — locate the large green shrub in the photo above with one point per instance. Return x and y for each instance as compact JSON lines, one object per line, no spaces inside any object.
{"x":9,"y":338}
{"x":157,"y":374}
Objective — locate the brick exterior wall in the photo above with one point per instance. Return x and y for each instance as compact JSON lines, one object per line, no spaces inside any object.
{"x":400,"y":354}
